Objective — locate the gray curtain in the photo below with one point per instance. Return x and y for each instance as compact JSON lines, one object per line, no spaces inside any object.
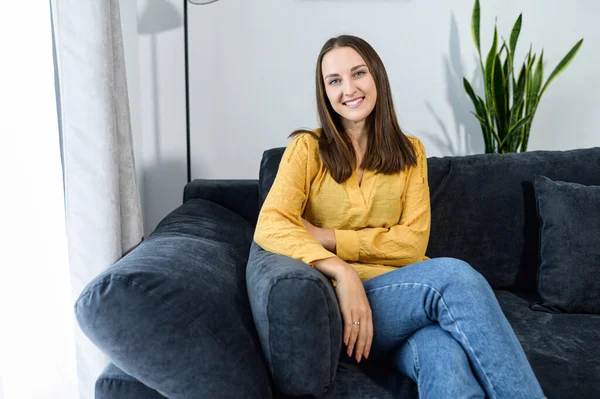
{"x":102,"y":202}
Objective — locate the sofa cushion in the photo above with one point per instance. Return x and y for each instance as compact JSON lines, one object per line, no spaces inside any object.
{"x":297,"y":316}
{"x":114,"y":383}
{"x":484,"y":211}
{"x":371,"y":380}
{"x":269,"y":165}
{"x":174,"y":312}
{"x":562,"y":348}
{"x":569,"y":271}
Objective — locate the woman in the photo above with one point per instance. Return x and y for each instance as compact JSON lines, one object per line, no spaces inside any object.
{"x":352,"y":200}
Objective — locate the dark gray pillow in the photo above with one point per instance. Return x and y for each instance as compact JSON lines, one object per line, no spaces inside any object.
{"x":569,"y":270}
{"x":174,"y":313}
{"x":299,"y":323}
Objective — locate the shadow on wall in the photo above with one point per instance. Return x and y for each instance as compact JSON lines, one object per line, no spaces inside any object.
{"x":161,"y":178}
{"x":464,"y":136}
{"x":160,"y":182}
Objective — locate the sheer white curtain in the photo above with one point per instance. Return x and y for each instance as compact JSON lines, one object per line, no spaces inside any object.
{"x":37,"y":349}
{"x":46,"y":262}
{"x":103,"y":210}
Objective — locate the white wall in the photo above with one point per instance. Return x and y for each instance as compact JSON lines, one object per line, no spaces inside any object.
{"x":252,"y":79}
{"x":154,"y":44}
{"x":252,"y":70}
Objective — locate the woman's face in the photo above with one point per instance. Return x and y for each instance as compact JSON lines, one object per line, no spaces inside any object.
{"x":349,"y":85}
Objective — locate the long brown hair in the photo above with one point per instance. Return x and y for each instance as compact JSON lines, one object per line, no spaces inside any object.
{"x":388,"y":149}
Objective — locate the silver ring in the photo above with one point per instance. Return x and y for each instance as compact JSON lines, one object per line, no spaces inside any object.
{"x":356,"y":323}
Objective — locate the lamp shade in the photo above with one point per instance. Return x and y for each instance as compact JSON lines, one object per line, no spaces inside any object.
{"x":202,"y":2}
{"x":159,"y":16}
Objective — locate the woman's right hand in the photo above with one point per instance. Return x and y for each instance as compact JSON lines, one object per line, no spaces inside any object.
{"x":355,"y":308}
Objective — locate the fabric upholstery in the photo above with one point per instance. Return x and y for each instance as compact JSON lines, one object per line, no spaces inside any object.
{"x":239,"y":196}
{"x":153,"y":313}
{"x":569,"y":271}
{"x":114,"y":383}
{"x":298,"y":320}
{"x":562,"y":348}
{"x":483,"y":209}
{"x":352,"y":381}
{"x":269,"y":165}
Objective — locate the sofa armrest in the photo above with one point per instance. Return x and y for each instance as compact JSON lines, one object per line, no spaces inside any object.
{"x":174,"y":312}
{"x":298,"y":319}
{"x":114,"y":383}
{"x":240,"y":196}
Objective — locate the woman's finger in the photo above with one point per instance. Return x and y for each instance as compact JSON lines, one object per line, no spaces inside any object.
{"x":369,"y":335}
{"x":346,"y":316}
{"x":354,"y":329}
{"x":362,"y":338}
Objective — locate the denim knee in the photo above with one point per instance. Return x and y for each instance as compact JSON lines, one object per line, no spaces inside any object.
{"x":456,"y":271}
{"x":429,"y":347}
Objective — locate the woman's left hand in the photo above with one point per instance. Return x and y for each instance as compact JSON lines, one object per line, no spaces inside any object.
{"x":326,"y":237}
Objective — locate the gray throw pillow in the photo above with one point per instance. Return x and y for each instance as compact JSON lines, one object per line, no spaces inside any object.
{"x":569,"y":270}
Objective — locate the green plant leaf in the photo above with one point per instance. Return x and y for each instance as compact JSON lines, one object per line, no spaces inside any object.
{"x":563,"y":64}
{"x":517,"y":126}
{"x":519,"y":91}
{"x":516,"y":112}
{"x":529,"y":81}
{"x":499,"y":97}
{"x":475,"y":20}
{"x":488,"y":74}
{"x":538,"y":78}
{"x":505,"y":65}
{"x":514,"y":35}
{"x":488,"y":132}
{"x":470,"y":92}
{"x":517,"y":135}
{"x":511,"y":70}
{"x":513,"y":131}
{"x":506,"y":74}
{"x":480,"y":113}
{"x":487,"y":119}
{"x":535,"y":82}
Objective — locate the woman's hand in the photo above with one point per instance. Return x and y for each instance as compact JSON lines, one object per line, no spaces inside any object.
{"x":326,"y":237}
{"x":355,"y":309}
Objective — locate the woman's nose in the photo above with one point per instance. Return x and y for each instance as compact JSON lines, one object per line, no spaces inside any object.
{"x":349,"y":87}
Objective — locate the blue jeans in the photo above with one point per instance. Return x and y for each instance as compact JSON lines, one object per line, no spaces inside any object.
{"x":442,"y":326}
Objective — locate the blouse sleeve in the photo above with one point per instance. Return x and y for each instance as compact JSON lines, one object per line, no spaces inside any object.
{"x":404,"y":243}
{"x":279,"y":228}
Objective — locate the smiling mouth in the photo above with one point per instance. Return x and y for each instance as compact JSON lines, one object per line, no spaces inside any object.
{"x":354,"y":103}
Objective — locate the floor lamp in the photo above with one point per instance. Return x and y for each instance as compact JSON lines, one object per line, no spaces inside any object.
{"x":187,"y":79}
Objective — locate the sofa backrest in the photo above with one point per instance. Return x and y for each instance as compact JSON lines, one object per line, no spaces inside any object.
{"x":483,"y":207}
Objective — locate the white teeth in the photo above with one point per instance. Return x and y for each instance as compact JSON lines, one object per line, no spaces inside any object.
{"x":354,"y":102}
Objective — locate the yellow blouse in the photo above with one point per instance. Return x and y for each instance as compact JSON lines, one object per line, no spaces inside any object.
{"x":379,"y":225}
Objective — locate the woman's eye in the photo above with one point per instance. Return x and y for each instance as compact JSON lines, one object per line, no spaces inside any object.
{"x":359,"y":73}
{"x":333,"y":81}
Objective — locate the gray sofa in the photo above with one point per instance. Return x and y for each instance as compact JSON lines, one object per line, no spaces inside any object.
{"x":182,"y":316}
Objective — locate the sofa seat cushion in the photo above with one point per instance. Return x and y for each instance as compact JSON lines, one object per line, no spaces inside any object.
{"x":569,"y":271}
{"x":562,"y":348}
{"x":375,"y":380}
{"x":174,"y":312}
{"x":351,"y":382}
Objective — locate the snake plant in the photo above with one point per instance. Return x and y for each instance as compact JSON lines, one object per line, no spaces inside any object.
{"x":510,"y":102}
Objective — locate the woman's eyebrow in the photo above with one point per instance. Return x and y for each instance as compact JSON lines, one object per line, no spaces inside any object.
{"x":335,"y":75}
